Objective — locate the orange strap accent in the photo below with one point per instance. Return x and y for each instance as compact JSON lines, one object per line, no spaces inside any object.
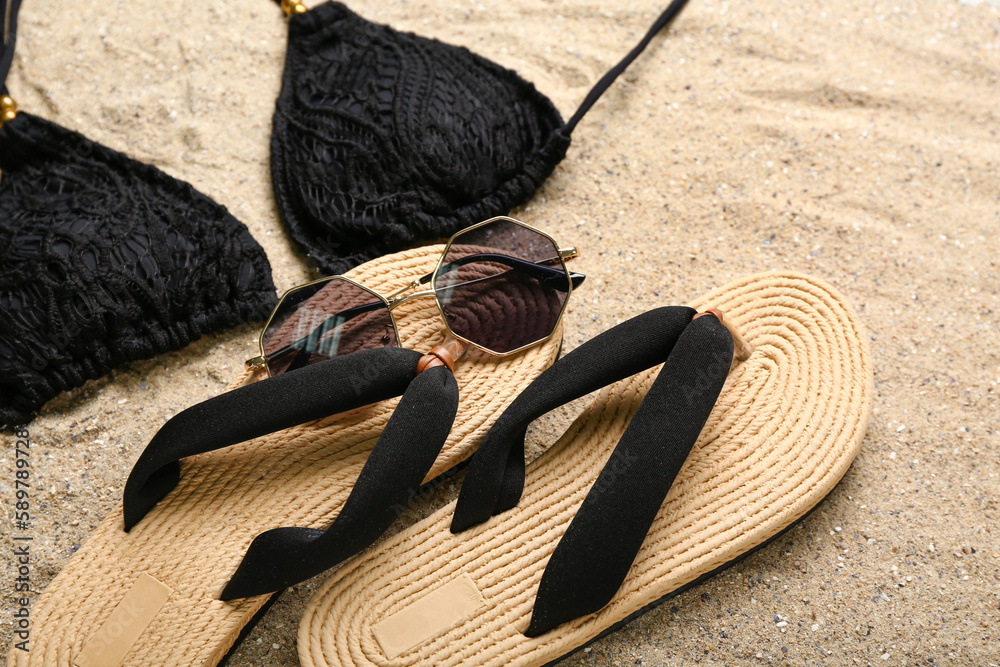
{"x":741,"y":348}
{"x":714,"y":311}
{"x":439,"y":356}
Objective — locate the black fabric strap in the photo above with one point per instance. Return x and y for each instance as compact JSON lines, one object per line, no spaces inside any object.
{"x":595,"y":93}
{"x":593,"y":557}
{"x":8,"y":37}
{"x":495,"y":478}
{"x":396,"y":467}
{"x":310,"y":393}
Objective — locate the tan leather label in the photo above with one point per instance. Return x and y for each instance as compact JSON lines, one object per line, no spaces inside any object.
{"x":109,"y":645}
{"x":429,"y":616}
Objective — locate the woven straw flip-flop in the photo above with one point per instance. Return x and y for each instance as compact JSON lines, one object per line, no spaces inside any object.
{"x":786,"y":426}
{"x":151,"y":596}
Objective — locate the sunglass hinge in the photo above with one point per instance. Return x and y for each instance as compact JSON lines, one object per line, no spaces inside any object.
{"x":255,"y":363}
{"x":392,"y":298}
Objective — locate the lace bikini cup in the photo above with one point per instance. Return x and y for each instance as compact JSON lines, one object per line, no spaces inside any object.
{"x":383,"y":139}
{"x":105,"y":260}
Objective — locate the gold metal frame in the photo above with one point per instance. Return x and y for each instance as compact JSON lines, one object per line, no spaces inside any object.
{"x":397,"y":298}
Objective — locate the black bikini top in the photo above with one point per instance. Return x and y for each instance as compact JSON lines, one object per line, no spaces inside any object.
{"x":383,"y":139}
{"x":104,"y":259}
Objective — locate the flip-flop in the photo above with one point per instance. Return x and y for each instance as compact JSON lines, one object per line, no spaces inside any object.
{"x":785,"y":428}
{"x":151,"y":596}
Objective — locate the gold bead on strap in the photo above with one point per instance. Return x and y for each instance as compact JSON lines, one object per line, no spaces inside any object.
{"x":8,"y":109}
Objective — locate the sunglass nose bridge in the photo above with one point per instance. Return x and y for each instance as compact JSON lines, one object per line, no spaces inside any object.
{"x":400,"y":300}
{"x":402,"y":290}
{"x":400,"y":296}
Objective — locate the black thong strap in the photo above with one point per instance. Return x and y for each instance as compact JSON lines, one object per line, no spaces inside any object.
{"x":595,"y":554}
{"x":394,"y":471}
{"x":257,"y":409}
{"x":495,"y":477}
{"x":400,"y":460}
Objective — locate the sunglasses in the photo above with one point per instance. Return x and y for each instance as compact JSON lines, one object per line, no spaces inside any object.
{"x":501,"y":286}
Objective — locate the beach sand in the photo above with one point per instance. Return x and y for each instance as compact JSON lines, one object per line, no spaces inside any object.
{"x":854,"y":141}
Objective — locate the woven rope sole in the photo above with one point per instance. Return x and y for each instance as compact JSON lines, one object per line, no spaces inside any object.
{"x":784,"y":431}
{"x":194,"y":538}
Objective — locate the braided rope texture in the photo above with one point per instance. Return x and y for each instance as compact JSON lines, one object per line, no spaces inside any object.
{"x":382,"y":139}
{"x":785,"y":429}
{"x":193,"y":540}
{"x":105,"y":260}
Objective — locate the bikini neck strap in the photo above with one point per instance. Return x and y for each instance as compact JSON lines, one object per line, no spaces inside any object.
{"x":8,"y":16}
{"x":292,"y":7}
{"x":668,"y":15}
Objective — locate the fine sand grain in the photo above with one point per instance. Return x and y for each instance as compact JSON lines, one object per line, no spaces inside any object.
{"x":855,"y":141}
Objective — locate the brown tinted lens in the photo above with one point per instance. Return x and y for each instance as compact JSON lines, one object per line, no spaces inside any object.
{"x":325,"y":320}
{"x":502,"y":286}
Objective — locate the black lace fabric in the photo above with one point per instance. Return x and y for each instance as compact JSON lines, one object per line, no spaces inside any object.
{"x":105,"y":260}
{"x":383,"y":139}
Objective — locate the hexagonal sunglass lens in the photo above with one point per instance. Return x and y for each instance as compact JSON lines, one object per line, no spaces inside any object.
{"x":325,"y":320}
{"x":502,"y":286}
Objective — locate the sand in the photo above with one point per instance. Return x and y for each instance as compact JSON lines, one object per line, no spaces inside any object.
{"x":856,"y":141}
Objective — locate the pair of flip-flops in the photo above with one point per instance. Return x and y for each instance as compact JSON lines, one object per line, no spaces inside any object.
{"x":678,"y":468}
